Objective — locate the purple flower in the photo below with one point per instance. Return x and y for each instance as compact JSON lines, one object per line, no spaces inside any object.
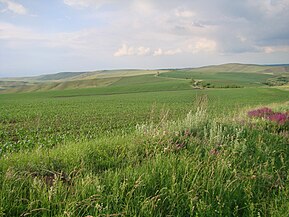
{"x":279,"y":118}
{"x":267,"y":113}
{"x":260,"y":113}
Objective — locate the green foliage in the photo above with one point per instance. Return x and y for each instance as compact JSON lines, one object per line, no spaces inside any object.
{"x":221,"y":79}
{"x":48,"y":119}
{"x":143,"y":146}
{"x":278,"y":80}
{"x":220,"y":76}
{"x":222,"y":170}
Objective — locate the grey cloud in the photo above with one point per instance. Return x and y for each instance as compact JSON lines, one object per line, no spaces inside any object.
{"x":198,"y":31}
{"x":262,"y":23}
{"x":198,"y":24}
{"x":235,"y":26}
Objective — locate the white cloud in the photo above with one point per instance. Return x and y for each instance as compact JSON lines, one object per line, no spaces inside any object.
{"x":242,"y":38}
{"x":271,"y":49}
{"x":136,"y":28}
{"x":173,"y":52}
{"x":225,"y":27}
{"x":184,"y":13}
{"x":14,"y":7}
{"x":161,"y":52}
{"x":19,"y":37}
{"x":126,"y":50}
{"x":203,"y":45}
{"x":12,"y":32}
{"x":158,"y":52}
{"x":198,"y":24}
{"x":272,"y":7}
{"x":85,"y":3}
{"x":142,"y":51}
{"x":143,"y":7}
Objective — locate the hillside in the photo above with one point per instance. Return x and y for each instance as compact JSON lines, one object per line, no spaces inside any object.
{"x":216,"y":76}
{"x":246,"y":68}
{"x":145,"y":145}
{"x":69,"y":76}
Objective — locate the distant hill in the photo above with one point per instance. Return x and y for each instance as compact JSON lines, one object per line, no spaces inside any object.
{"x":247,"y":68}
{"x":59,"y":76}
{"x":213,"y":73}
{"x":68,"y":76}
{"x":277,"y":65}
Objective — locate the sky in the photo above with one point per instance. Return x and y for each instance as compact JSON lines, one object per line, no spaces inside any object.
{"x":43,"y":37}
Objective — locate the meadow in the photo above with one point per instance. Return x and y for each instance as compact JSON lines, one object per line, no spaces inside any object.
{"x":146,"y":145}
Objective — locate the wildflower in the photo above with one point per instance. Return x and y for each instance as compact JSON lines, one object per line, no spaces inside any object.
{"x":260,"y":113}
{"x":279,"y":118}
{"x":268,"y":114}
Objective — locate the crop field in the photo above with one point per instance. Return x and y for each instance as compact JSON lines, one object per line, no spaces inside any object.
{"x":147,"y":145}
{"x":223,"y":78}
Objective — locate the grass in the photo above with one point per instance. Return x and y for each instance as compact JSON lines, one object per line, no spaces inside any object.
{"x":227,"y":75}
{"x":245,"y":68}
{"x":143,"y":146}
{"x":49,"y":118}
{"x":143,"y":175}
{"x":221,"y":79}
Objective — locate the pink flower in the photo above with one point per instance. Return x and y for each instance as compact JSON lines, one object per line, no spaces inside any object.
{"x":260,"y":113}
{"x":279,"y":118}
{"x":267,"y":113}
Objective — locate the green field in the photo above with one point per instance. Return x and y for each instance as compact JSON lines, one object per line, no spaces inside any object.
{"x":146,"y":144}
{"x":221,"y":76}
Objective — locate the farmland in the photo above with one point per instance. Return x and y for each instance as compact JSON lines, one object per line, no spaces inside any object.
{"x":144,"y":144}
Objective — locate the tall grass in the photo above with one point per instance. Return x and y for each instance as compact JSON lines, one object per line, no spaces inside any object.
{"x":196,"y":166}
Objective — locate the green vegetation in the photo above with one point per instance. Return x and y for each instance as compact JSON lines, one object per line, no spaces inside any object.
{"x":222,"y":76}
{"x":233,"y":75}
{"x":278,"y":80}
{"x":69,"y":80}
{"x":147,"y":145}
{"x":221,"y":79}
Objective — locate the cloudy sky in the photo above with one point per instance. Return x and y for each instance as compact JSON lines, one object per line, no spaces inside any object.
{"x":40,"y":37}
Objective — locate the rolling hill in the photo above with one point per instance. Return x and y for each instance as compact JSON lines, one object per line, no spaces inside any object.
{"x":146,"y":143}
{"x":215,"y":76}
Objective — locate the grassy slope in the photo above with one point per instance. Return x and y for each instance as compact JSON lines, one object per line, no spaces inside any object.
{"x":49,"y":118}
{"x":60,"y":76}
{"x":120,"y":84}
{"x":231,"y":74}
{"x":219,"y":76}
{"x":248,"y":68}
{"x":70,"y":76}
{"x":222,"y":78}
{"x":140,"y":176}
{"x":62,"y":81}
{"x":146,"y":172}
{"x":119,"y":73}
{"x":78,"y":84}
{"x":77,"y":152}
